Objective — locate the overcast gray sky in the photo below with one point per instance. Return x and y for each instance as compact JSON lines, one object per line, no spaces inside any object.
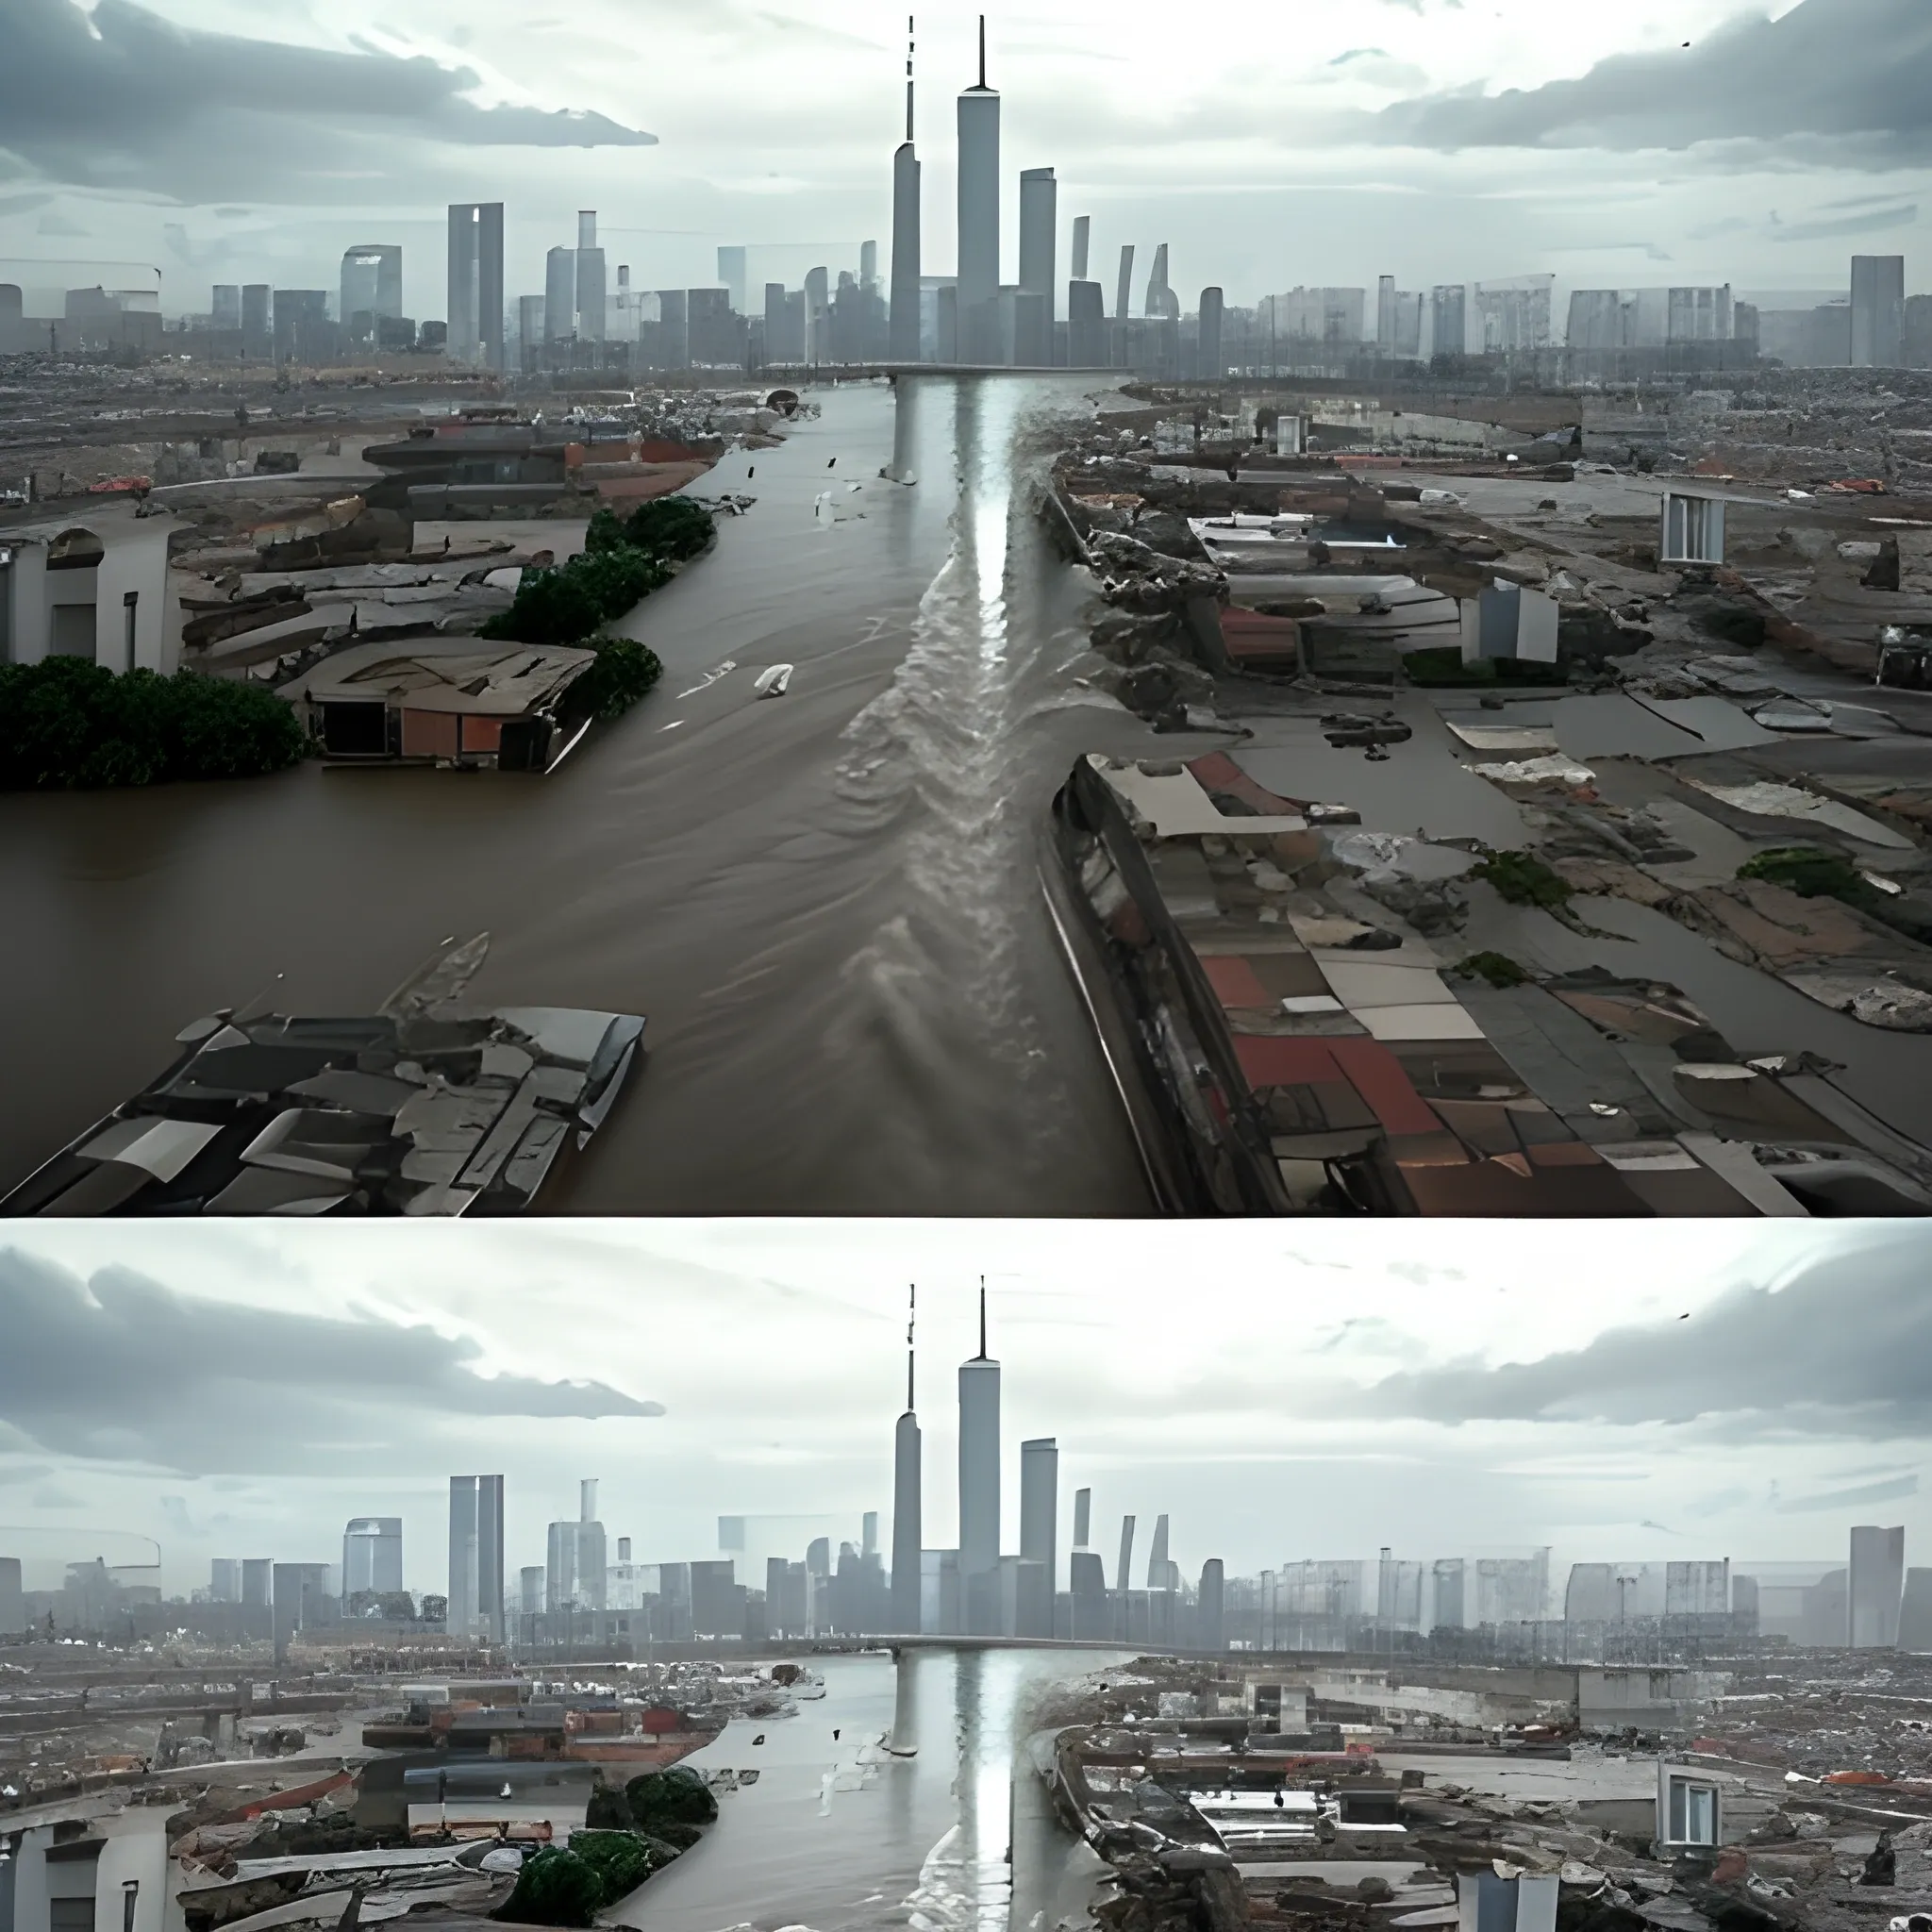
{"x":1444,"y":1388}
{"x":1318,"y":141}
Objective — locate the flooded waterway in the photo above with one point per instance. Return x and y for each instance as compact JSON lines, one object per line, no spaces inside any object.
{"x":826,"y":904}
{"x":838,"y":1835}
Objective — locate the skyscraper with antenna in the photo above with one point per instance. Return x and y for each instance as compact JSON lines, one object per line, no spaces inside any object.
{"x":979,"y":218}
{"x":979,"y":1486}
{"x":907,"y":1523}
{"x":904,"y":322}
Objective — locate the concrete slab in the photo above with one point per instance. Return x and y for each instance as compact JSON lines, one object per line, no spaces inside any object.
{"x":1420,"y":1022}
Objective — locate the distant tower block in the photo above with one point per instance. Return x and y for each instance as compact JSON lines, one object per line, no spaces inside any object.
{"x":903,"y":324}
{"x":979,"y":1486}
{"x":1083,"y":229}
{"x":1124,"y":1575}
{"x":1039,"y":252}
{"x":979,"y":218}
{"x":907,"y":1528}
{"x":1083,"y":1517}
{"x":1124,"y":294}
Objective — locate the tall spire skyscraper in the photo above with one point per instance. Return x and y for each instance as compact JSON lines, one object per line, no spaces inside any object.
{"x":904,"y":324}
{"x":979,"y":1486}
{"x":907,"y":1526}
{"x":979,"y":218}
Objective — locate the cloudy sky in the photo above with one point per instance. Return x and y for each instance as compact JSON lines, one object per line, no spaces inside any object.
{"x":1621,"y":1393}
{"x":1653,"y":142}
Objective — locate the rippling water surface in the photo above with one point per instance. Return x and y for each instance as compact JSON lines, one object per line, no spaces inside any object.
{"x":826,"y":904}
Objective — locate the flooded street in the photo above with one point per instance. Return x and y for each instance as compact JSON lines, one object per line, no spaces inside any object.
{"x":839,"y":1836}
{"x":826,"y":905}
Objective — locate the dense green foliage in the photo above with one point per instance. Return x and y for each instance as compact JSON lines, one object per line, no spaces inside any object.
{"x":670,"y":526}
{"x":677,"y":1796}
{"x":1524,"y":879}
{"x":555,"y":1887}
{"x":66,"y":722}
{"x":1813,"y":874}
{"x":620,"y":562}
{"x":621,"y":1860}
{"x":624,"y":671}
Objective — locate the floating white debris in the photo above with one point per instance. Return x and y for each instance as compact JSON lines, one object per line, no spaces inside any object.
{"x":774,"y":681}
{"x":1545,"y":771}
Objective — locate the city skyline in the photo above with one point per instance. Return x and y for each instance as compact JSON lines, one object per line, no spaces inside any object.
{"x":1366,"y":1424}
{"x":1357,"y":150}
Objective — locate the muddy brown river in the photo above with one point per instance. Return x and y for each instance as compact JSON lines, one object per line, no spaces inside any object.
{"x":828,"y":904}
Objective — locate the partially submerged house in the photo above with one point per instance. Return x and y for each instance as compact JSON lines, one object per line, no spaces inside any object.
{"x":443,"y":700}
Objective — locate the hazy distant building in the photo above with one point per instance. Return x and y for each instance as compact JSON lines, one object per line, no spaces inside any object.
{"x":979,"y":223}
{"x":1384,"y":315}
{"x":371,"y":285}
{"x":979,"y":1486}
{"x":476,"y":1558}
{"x":1915,"y":1612}
{"x":257,"y":319}
{"x":731,"y":270}
{"x":818,"y":316}
{"x":576,"y":1570}
{"x":372,"y":1556}
{"x":1123,"y":287}
{"x":1448,"y":1602}
{"x":474,"y":314}
{"x":531,"y":1590}
{"x":1039,"y":258}
{"x":1511,"y":1589}
{"x":1124,"y":1570}
{"x":1513,"y":317}
{"x":1083,"y":1517}
{"x":1448,"y":319}
{"x":12,"y":1598}
{"x":593,"y":294}
{"x":1875,"y":1585}
{"x":529,"y":331}
{"x":560,"y":294}
{"x":904,"y":309}
{"x":257,"y":1582}
{"x":300,"y":1601}
{"x":1161,"y":303}
{"x":303,"y":332}
{"x":1209,"y":360}
{"x":1040,"y":1481}
{"x":1332,"y":318}
{"x":228,"y":306}
{"x":1210,"y":1625}
{"x":1878,"y":311}
{"x":1086,"y":325}
{"x":907,"y":1517}
{"x":224,"y":1580}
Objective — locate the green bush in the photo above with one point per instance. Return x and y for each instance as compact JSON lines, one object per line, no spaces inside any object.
{"x":566,"y":605}
{"x":555,"y":1887}
{"x":65,"y":722}
{"x":1524,"y":879}
{"x":677,"y":1796}
{"x":670,"y":526}
{"x":620,"y":1860}
{"x":624,"y":671}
